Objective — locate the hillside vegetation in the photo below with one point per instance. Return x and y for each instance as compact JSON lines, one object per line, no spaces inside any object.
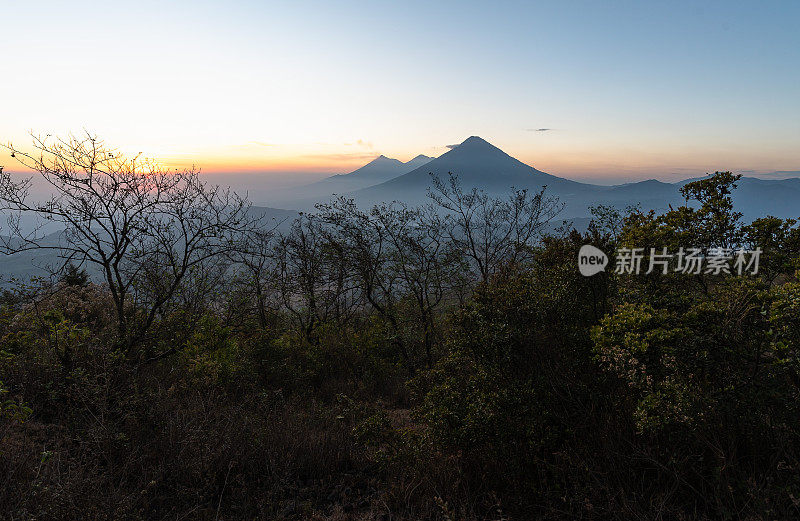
{"x":447,"y":362}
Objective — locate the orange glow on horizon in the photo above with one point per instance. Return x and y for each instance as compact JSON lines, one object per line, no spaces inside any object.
{"x":587,"y":161}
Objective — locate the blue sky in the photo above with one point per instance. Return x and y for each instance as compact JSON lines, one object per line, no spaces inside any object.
{"x":628,"y":89}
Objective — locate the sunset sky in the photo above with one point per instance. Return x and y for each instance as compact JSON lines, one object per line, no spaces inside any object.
{"x":627,"y":89}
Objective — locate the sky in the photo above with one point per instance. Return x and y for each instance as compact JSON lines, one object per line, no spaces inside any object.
{"x":595,"y":91}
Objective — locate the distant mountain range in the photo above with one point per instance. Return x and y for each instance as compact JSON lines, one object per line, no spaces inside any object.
{"x":478,"y":163}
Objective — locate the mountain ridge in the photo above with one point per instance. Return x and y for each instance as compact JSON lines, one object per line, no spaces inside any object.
{"x":479,"y":164}
{"x":377,"y":171}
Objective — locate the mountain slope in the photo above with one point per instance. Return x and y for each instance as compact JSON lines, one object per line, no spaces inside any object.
{"x":417,"y":162}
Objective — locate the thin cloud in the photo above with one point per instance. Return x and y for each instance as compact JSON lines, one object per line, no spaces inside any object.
{"x":451,"y":147}
{"x":539,"y":129}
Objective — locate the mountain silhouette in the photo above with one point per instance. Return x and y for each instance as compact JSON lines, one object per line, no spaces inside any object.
{"x":479,"y":164}
{"x":380,"y":169}
{"x":377,"y":171}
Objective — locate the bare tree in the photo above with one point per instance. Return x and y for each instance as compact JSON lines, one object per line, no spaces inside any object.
{"x":312,"y":277}
{"x":142,"y":227}
{"x":402,"y":264}
{"x":492,"y":231}
{"x":425,"y":262}
{"x":255,"y":269}
{"x":362,"y":235}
